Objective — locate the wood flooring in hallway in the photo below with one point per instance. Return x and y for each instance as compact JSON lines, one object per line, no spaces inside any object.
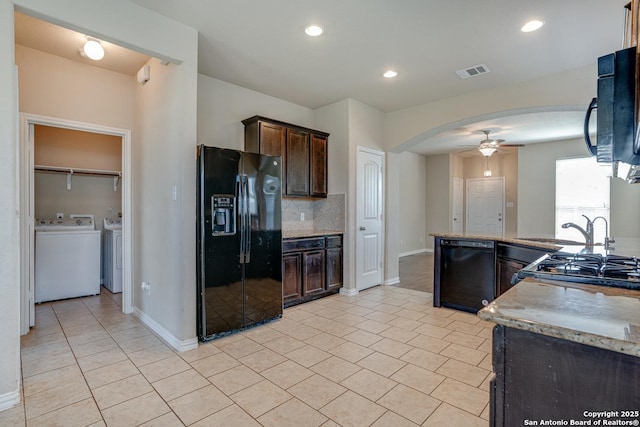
{"x":416,"y":272}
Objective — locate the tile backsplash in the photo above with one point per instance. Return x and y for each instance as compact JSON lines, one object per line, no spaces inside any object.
{"x":325,"y":214}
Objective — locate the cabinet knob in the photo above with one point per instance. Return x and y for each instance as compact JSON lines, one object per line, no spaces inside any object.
{"x":362,"y":228}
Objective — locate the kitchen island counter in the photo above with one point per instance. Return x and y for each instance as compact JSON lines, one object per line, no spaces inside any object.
{"x":542,"y":243}
{"x":598,"y":316}
{"x":561,"y":349}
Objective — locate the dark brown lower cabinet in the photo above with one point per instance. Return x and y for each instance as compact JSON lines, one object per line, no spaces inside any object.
{"x":312,"y":268}
{"x":538,"y":377}
{"x":505,"y":270}
{"x":313,"y":272}
{"x":512,"y":258}
{"x":334,"y":268}
{"x":292,"y":276}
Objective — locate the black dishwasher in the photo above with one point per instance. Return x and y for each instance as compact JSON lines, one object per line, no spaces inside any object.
{"x":467,"y":273}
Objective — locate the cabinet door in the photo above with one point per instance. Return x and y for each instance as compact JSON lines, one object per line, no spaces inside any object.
{"x":272,"y":139}
{"x":334,"y":268}
{"x":506,"y":270}
{"x":318,"y":165}
{"x":292,"y":276}
{"x":297,"y":163}
{"x":313,"y":272}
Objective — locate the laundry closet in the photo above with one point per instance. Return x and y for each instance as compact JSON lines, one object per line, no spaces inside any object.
{"x":77,"y":195}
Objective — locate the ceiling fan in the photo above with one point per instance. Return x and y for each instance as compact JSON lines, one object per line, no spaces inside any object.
{"x":489,"y":146}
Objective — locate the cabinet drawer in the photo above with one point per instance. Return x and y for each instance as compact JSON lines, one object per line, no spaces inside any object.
{"x":289,"y":245}
{"x":334,"y":241}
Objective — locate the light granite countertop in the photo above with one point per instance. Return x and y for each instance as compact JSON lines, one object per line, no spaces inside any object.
{"x":514,"y":240}
{"x":295,"y":234}
{"x":624,"y":246}
{"x":598,"y":316}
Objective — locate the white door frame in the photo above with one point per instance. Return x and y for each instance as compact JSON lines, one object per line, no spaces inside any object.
{"x":26,"y":173}
{"x":457,"y":197}
{"x":359,"y":150}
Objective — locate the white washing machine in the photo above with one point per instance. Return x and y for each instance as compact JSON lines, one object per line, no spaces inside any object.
{"x":67,"y":258}
{"x":112,"y":254}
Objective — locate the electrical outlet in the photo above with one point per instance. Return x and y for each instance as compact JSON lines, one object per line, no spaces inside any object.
{"x":301,"y":216}
{"x":146,"y":287}
{"x":60,"y":215}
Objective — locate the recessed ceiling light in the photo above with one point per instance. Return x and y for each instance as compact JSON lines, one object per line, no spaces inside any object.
{"x":390,"y":74}
{"x":313,"y":30}
{"x":532,"y":25}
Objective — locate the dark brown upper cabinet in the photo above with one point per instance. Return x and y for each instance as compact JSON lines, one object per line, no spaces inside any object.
{"x":304,"y":154}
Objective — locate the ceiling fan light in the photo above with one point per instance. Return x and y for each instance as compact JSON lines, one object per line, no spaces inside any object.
{"x":487,"y":151}
{"x":93,"y":49}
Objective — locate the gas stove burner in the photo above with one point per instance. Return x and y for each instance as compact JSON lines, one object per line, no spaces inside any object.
{"x":631,"y":262}
{"x":581,"y":268}
{"x":611,"y":270}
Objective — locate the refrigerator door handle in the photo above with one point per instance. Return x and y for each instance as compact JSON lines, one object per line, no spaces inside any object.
{"x":240,"y":204}
{"x":247,"y":225}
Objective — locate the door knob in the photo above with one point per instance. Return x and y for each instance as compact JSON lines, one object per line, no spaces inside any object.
{"x":362,"y":228}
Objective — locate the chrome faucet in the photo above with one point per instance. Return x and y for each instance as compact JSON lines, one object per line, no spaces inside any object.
{"x":588,"y":233}
{"x":607,"y":240}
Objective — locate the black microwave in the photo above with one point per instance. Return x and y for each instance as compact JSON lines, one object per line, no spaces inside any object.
{"x":617,"y":116}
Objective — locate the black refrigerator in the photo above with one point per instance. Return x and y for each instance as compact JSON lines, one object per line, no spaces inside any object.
{"x":239,"y":240}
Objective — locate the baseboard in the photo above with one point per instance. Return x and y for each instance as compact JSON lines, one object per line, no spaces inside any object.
{"x":392,"y":281}
{"x":9,"y":400}
{"x":164,"y":334}
{"x":416,"y":252}
{"x":348,"y":291}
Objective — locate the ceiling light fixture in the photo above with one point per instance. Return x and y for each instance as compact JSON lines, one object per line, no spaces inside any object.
{"x":390,"y":74}
{"x":487,"y":171}
{"x":313,"y":30}
{"x":487,"y":150}
{"x":532,"y":25}
{"x":92,"y":49}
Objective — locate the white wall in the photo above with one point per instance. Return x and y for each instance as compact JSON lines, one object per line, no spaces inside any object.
{"x":366,"y":127}
{"x":413,"y":199}
{"x":9,"y":224}
{"x":536,"y":191}
{"x":392,"y":222}
{"x":438,"y":190}
{"x":58,"y":87}
{"x":222,"y":107}
{"x":168,"y":123}
{"x":573,"y":88}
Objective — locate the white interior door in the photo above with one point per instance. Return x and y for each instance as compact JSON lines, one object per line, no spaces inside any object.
{"x":485,"y":206}
{"x":457,"y":201}
{"x":369,"y":225}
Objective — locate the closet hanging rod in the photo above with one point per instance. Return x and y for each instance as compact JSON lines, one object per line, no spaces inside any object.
{"x":79,"y":171}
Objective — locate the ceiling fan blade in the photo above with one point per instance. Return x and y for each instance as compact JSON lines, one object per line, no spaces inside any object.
{"x":467,"y":150}
{"x":511,"y":145}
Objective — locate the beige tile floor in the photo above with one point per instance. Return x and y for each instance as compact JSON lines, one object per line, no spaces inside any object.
{"x":385,"y":357}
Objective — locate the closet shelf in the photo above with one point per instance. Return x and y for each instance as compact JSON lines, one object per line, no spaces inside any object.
{"x":80,"y":171}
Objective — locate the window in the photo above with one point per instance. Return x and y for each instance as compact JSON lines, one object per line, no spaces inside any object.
{"x":582,"y":188}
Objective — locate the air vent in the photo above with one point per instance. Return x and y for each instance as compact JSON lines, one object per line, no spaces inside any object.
{"x":473,"y":71}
